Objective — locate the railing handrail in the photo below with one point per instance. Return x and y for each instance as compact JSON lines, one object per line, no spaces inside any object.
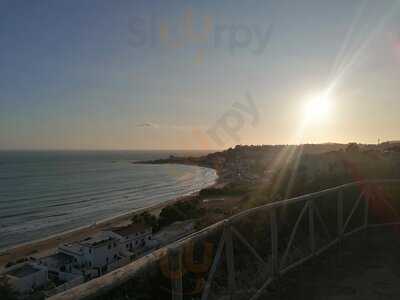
{"x":308,"y":196}
{"x":107,"y":282}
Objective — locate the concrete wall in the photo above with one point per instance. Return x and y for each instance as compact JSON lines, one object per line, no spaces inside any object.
{"x":66,"y":286}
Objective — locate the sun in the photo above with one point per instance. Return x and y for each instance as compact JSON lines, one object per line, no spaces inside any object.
{"x":317,"y":107}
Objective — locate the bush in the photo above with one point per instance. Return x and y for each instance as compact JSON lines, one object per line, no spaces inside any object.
{"x":6,"y":291}
{"x":147,"y":219}
{"x":180,"y":211}
{"x":228,"y":190}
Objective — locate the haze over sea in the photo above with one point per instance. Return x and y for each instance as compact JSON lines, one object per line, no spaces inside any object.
{"x":46,"y":193}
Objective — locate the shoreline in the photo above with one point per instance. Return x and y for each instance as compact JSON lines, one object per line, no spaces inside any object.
{"x":49,"y":244}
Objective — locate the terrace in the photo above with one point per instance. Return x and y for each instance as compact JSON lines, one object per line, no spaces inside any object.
{"x":23,"y":271}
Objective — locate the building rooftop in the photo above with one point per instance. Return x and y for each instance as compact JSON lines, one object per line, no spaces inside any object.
{"x":23,"y":271}
{"x":59,"y":259}
{"x":98,"y":240}
{"x":74,"y":247}
{"x":131,"y":229}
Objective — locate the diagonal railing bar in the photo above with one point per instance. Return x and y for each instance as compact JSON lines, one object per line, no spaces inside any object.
{"x":262,"y":289}
{"x":293,"y":235}
{"x":383,"y":225}
{"x":355,"y":230}
{"x":395,"y":212}
{"x":390,"y":206}
{"x":322,"y":221}
{"x":296,"y":264}
{"x":250,"y":247}
{"x":353,"y":210}
{"x":214,"y":266}
{"x":327,"y":246}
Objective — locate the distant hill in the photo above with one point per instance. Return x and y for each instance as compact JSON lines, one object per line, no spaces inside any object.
{"x":263,"y":163}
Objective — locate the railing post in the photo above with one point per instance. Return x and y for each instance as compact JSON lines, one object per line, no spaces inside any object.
{"x":175,"y":262}
{"x":214,"y":266}
{"x":311,"y":225}
{"x":340,"y":215}
{"x":274,"y":242}
{"x":230,"y":260}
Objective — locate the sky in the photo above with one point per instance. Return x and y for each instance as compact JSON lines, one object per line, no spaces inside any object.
{"x":124,"y":74}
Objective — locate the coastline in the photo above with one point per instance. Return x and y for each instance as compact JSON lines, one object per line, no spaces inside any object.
{"x":48,"y":245}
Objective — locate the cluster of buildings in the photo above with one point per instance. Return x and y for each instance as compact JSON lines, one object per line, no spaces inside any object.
{"x":75,"y":263}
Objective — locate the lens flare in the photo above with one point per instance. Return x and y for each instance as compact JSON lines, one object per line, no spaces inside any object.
{"x":317,"y":107}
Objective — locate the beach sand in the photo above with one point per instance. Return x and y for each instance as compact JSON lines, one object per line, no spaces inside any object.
{"x":49,"y":245}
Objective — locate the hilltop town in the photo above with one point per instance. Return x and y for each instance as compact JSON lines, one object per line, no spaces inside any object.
{"x":259,"y":163}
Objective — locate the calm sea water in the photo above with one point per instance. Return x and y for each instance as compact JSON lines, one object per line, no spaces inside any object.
{"x":45,"y":193}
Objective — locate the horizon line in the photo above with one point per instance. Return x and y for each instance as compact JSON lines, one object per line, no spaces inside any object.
{"x":183,"y":149}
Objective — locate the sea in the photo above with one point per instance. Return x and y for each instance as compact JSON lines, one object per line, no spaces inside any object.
{"x":45,"y":193}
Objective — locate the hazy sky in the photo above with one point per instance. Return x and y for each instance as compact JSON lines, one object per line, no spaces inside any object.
{"x":120,"y":74}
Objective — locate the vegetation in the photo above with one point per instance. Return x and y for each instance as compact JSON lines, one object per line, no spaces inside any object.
{"x":180,"y":211}
{"x":232,"y":189}
{"x":147,"y":219}
{"x":353,"y":147}
{"x":6,"y":291}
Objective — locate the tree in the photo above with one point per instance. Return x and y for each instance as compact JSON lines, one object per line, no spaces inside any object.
{"x":353,"y":147}
{"x":147,"y":219}
{"x":180,"y":211}
{"x":6,"y":291}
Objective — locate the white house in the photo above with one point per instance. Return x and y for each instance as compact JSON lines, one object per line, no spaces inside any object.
{"x":61,"y":266}
{"x":26,"y":277}
{"x":104,"y":252}
{"x":62,"y":272}
{"x":59,"y":262}
{"x":94,"y":253}
{"x":134,"y":238}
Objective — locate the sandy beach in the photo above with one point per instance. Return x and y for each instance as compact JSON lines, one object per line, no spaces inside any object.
{"x":49,"y":245}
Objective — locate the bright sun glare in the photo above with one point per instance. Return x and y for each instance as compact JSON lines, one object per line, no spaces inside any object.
{"x":317,"y":107}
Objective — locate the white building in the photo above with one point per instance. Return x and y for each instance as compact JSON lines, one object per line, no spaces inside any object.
{"x":61,"y":272}
{"x":25,"y":278}
{"x":59,"y":262}
{"x":134,"y":238}
{"x":94,"y":254}
{"x":104,"y":252}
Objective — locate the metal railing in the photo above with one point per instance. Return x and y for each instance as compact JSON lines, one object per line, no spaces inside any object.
{"x":286,"y":243}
